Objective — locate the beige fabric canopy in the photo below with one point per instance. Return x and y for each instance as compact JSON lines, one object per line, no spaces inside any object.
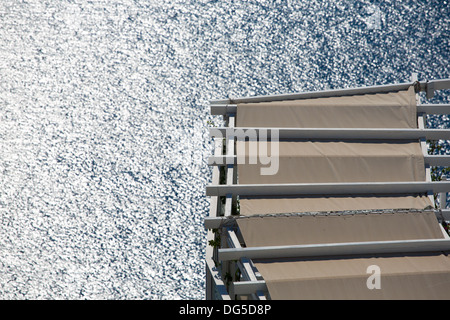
{"x":334,"y":161}
{"x":383,"y":110}
{"x":333,"y":228}
{"x":338,"y":161}
{"x":294,"y":204}
{"x":413,"y":276}
{"x":402,"y":277}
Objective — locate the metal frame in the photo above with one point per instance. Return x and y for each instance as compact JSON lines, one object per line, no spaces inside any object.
{"x":329,"y":188}
{"x":224,"y":109}
{"x":217,"y":222}
{"x":431,"y":160}
{"x":214,"y":282}
{"x":335,"y":249}
{"x":232,"y":256}
{"x":339,"y":133}
{"x":428,"y":86}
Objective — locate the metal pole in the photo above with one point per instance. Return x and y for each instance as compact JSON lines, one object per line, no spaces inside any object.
{"x":443,"y":196}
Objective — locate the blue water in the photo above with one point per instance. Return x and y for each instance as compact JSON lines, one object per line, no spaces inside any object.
{"x":104,"y":115}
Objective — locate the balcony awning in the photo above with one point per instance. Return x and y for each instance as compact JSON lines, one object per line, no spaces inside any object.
{"x":339,"y":228}
{"x":351,"y":193}
{"x":402,"y":276}
{"x":303,"y":161}
{"x":319,"y":161}
{"x":380,"y":110}
{"x":412,"y":276}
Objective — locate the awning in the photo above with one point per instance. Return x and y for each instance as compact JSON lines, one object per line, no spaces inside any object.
{"x":382,"y":110}
{"x":413,"y":276}
{"x":316,"y":161}
{"x":291,"y":204}
{"x":349,"y":205}
{"x":402,"y":276}
{"x":338,"y":228}
{"x":302,"y":161}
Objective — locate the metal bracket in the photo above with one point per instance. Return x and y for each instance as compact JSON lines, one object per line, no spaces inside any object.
{"x":429,"y":89}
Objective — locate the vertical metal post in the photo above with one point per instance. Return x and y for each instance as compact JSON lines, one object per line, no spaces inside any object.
{"x":422,"y":124}
{"x":443,"y":196}
{"x":209,"y":284}
{"x":230,"y":167}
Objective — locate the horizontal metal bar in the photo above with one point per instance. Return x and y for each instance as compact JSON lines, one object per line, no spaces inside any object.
{"x":433,"y":108}
{"x":338,"y":133}
{"x":431,"y":160}
{"x":440,"y":84}
{"x":217,"y":222}
{"x":353,"y":188}
{"x":426,"y":86}
{"x":335,"y":249}
{"x":317,"y":94}
{"x":430,"y":86}
{"x":249,"y":287}
{"x":437,"y":160}
{"x":444,"y":214}
{"x":223,"y":109}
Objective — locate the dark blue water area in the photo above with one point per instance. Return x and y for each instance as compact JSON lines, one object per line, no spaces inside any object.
{"x":104,"y":116}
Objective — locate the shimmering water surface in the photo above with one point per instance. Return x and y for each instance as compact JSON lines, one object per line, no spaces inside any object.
{"x":104,"y":115}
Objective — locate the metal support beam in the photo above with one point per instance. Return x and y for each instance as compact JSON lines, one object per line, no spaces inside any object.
{"x":233,"y":241}
{"x":444,"y":214}
{"x":244,"y":265}
{"x":318,"y":94}
{"x":353,"y":188}
{"x":339,"y":133}
{"x":437,"y":160}
{"x":248,"y":274}
{"x":214,"y":282}
{"x":433,"y":108}
{"x":222,"y":109}
{"x":428,"y":86}
{"x":336,"y":249}
{"x":439,"y":84}
{"x":219,"y":109}
{"x":431,"y":160}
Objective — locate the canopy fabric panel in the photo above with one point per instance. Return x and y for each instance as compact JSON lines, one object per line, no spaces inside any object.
{"x":335,"y":161}
{"x":332,"y":228}
{"x":383,"y":110}
{"x":259,"y":205}
{"x":332,"y":161}
{"x":414,"y":276}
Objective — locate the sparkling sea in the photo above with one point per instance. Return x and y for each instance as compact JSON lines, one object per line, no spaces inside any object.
{"x":104,"y":116}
